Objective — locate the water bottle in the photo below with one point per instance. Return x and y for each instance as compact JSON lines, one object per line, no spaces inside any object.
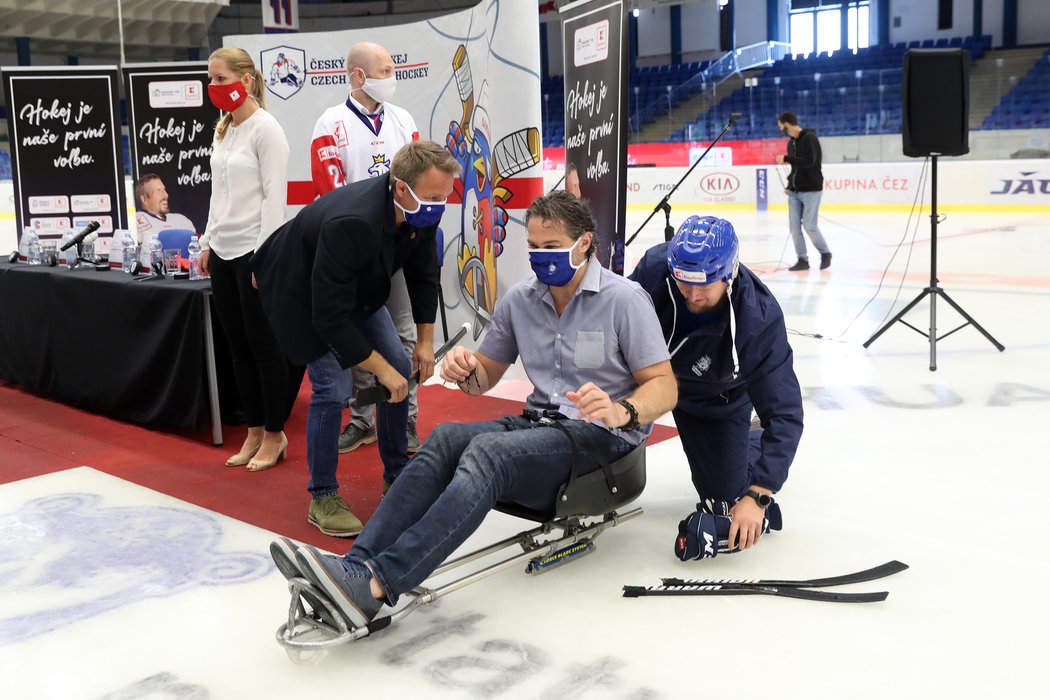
{"x":116,"y":246}
{"x":23,"y":242}
{"x":156,"y":255}
{"x":69,"y":255}
{"x":131,"y":252}
{"x":194,"y":253}
{"x":34,"y":253}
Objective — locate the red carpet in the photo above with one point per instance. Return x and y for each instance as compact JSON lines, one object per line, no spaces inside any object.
{"x":38,"y":436}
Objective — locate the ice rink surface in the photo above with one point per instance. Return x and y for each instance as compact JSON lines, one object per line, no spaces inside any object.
{"x":110,"y":590}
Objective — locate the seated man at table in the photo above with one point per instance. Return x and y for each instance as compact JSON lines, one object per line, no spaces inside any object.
{"x":590,"y":342}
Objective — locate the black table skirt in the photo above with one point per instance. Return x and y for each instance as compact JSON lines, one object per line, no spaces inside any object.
{"x":105,"y":342}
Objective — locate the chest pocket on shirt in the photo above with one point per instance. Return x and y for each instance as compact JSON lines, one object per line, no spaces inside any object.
{"x":590,"y":349}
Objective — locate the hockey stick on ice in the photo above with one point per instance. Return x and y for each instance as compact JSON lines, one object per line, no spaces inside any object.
{"x":751,"y":589}
{"x":887,"y":569}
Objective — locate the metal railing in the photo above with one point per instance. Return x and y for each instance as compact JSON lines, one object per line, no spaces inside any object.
{"x":706,"y":81}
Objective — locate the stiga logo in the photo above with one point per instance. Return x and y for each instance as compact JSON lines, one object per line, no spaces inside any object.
{"x":283,"y":71}
{"x":719,"y":184}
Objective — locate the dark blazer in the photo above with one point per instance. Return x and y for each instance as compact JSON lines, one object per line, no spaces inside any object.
{"x":330,"y":267}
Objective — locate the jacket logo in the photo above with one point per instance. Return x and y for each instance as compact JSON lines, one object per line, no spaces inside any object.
{"x":702,"y":365}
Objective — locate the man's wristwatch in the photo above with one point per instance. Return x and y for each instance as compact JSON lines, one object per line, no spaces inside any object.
{"x":762,"y":499}
{"x":633,"y":423}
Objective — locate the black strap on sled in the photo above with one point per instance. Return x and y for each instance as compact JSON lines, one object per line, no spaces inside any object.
{"x":553,"y":419}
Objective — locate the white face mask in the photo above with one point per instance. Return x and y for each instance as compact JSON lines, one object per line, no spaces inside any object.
{"x":380,"y":89}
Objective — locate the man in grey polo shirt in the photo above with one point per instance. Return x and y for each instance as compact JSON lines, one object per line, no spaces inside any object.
{"x":592,"y":346}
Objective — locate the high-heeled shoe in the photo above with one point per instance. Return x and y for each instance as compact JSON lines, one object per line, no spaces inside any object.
{"x":254,"y":466}
{"x":243,"y":457}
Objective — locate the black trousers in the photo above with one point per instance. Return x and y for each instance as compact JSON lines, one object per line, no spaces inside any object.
{"x":721,"y":452}
{"x":258,"y":361}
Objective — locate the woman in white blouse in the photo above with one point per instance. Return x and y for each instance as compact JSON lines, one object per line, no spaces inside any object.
{"x":249,"y":185}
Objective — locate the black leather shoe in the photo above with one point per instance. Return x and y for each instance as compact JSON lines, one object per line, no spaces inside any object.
{"x":825,"y":261}
{"x":802,"y":264}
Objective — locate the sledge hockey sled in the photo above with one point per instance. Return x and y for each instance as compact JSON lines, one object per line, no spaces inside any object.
{"x":585,"y":507}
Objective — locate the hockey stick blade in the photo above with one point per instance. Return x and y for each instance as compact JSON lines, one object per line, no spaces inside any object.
{"x":784,"y":592}
{"x":882,"y":571}
{"x":379,"y":393}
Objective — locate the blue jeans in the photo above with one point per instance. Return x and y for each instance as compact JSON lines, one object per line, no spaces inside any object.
{"x":333,"y":386}
{"x":802,"y":212}
{"x":452,"y":483}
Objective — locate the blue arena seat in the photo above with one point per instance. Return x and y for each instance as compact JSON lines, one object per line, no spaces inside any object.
{"x":176,"y":238}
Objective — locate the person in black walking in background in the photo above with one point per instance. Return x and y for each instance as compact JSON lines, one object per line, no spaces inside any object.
{"x":805,"y":185}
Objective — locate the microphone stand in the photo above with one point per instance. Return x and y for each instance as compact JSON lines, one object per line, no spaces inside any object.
{"x":664,"y":205}
{"x":78,"y":241}
{"x":81,"y":260}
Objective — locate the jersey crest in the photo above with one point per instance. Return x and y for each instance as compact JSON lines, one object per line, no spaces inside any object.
{"x":380,"y":164}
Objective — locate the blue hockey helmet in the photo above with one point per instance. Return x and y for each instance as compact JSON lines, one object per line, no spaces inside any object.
{"x":704,"y":250}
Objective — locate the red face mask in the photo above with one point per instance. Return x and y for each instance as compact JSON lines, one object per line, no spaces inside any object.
{"x":228,"y":97}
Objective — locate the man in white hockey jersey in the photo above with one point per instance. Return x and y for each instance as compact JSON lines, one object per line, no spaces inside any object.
{"x":356,"y":140}
{"x":154,"y":215}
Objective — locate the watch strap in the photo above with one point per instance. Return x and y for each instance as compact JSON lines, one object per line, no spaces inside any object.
{"x":633,"y":423}
{"x":762,"y":499}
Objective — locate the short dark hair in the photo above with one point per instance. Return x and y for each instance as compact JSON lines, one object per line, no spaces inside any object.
{"x":572,"y":212}
{"x":140,"y":187}
{"x":788,"y":118}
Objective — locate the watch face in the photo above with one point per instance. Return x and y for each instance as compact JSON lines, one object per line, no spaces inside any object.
{"x":762,"y":499}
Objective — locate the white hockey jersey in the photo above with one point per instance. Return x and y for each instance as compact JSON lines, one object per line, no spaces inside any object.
{"x":148,"y":224}
{"x":350,"y":145}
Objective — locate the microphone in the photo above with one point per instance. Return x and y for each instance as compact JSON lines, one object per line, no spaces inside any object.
{"x":733,"y":118}
{"x":84,"y":233}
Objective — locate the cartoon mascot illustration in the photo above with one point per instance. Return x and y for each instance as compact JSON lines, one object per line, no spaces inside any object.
{"x":484,"y":196}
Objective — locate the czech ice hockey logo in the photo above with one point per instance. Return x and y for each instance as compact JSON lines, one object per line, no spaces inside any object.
{"x":283,"y":68}
{"x":701,"y":366}
{"x":380,"y":165}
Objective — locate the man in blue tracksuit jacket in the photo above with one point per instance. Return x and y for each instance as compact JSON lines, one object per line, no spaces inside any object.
{"x":729,"y":351}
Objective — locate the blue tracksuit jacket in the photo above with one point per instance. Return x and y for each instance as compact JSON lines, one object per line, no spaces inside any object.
{"x":702,"y":359}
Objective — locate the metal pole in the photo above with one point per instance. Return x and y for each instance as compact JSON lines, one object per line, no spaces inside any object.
{"x":209,"y":366}
{"x":120,"y":29}
{"x":933,"y":265}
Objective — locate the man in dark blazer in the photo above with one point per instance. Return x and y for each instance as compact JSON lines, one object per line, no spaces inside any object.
{"x":324,"y":278}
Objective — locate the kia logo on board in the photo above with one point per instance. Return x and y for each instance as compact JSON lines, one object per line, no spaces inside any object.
{"x":719,"y":184}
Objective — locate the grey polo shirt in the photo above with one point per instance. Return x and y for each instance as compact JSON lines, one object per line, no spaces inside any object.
{"x":608,"y":330}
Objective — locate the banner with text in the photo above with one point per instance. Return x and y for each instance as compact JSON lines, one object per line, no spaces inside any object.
{"x":280,"y":16}
{"x":66,"y":154}
{"x":471,"y":81}
{"x":595,"y":45}
{"x":171,"y":124}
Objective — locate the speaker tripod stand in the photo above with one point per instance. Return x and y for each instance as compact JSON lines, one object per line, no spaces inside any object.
{"x":934,"y":291}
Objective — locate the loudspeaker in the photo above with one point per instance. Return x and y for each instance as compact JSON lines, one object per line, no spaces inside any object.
{"x":935,"y":97}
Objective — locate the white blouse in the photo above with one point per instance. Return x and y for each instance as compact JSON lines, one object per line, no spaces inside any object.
{"x":249,"y":186}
